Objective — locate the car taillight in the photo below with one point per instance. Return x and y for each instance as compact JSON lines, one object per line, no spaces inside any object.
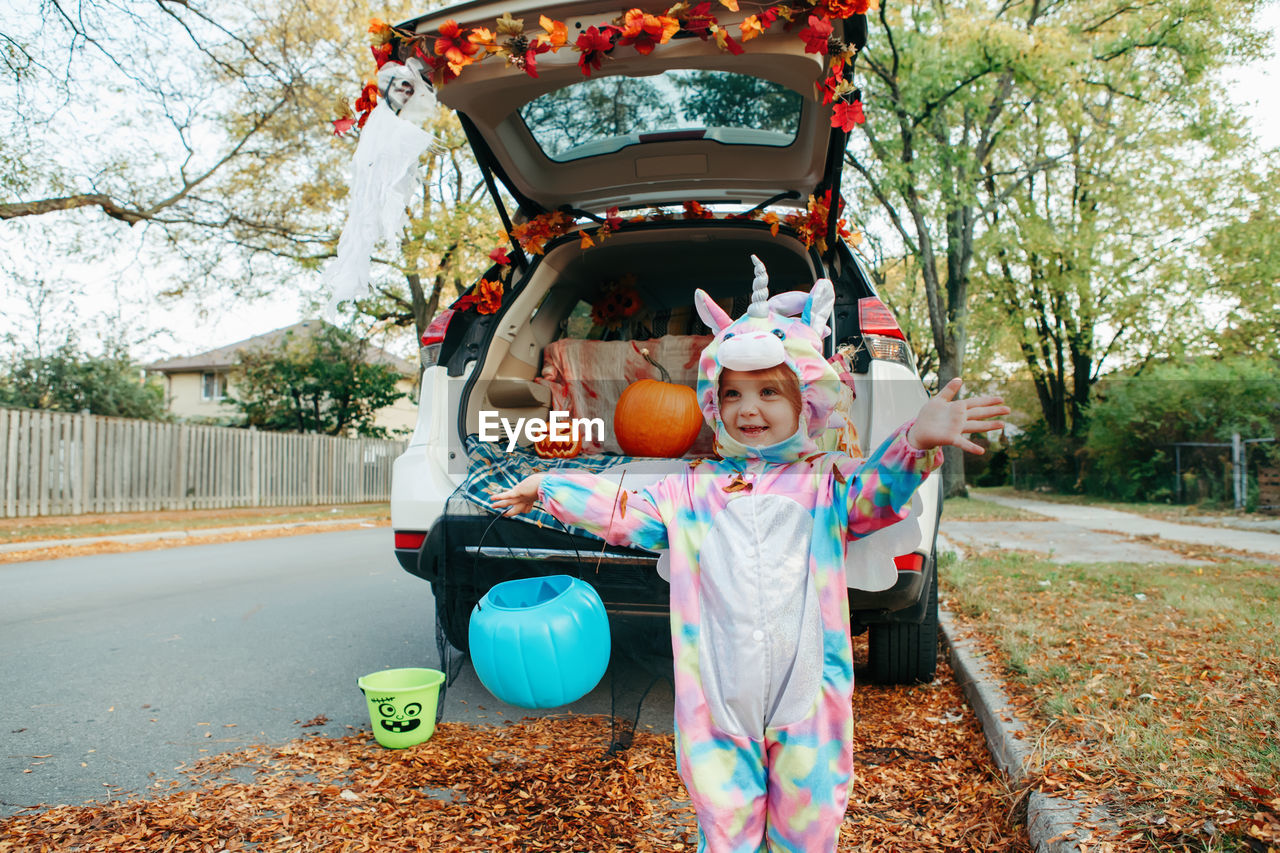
{"x":409,"y":540}
{"x":433,"y":337}
{"x":909,"y":562}
{"x":875,"y":318}
{"x":881,"y":335}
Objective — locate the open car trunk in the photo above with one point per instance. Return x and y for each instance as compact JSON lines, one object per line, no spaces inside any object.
{"x":547,"y":337}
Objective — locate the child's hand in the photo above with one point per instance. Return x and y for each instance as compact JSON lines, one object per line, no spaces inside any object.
{"x":521,"y":497}
{"x":945,"y":420}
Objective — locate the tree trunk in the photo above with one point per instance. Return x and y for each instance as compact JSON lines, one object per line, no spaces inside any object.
{"x":951,"y":365}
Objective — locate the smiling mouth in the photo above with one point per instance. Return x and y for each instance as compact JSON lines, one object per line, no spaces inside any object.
{"x":400,"y":726}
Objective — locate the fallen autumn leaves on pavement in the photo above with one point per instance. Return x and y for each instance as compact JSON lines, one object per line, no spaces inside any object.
{"x":924,"y":782}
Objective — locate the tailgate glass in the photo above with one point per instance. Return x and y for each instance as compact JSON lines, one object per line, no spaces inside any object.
{"x":605,"y":114}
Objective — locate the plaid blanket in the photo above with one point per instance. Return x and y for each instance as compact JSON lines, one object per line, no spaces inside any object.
{"x":491,"y":469}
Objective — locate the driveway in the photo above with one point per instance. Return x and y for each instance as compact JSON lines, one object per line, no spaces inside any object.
{"x":1074,"y":533}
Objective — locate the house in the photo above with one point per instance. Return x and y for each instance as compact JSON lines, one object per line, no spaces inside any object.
{"x":197,"y":386}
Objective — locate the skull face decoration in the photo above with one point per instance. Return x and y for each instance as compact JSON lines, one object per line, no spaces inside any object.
{"x":405,"y":90}
{"x":397,"y":720}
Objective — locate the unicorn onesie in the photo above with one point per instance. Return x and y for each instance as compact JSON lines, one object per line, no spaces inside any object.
{"x":759,"y":608}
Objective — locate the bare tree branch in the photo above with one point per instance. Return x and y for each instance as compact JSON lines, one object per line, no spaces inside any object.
{"x":50,"y":205}
{"x":135,"y":213}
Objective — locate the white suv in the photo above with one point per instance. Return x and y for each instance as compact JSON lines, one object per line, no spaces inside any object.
{"x":677,"y":164}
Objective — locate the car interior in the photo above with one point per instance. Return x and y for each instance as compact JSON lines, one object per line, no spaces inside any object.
{"x":554,"y":305}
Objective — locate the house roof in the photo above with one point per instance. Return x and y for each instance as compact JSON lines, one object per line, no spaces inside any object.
{"x":228,"y":356}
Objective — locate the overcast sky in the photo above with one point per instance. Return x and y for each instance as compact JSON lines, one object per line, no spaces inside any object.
{"x":1255,"y":86}
{"x":129,"y":290}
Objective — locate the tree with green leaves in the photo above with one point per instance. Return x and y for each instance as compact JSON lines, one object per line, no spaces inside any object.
{"x":718,"y":99}
{"x":71,"y":380}
{"x":1129,"y":449}
{"x":1090,"y":258}
{"x":319,"y":383}
{"x":951,"y":90}
{"x":1238,"y":266}
{"x":595,"y":109}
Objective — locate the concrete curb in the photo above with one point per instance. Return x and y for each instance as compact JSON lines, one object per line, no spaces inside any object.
{"x":171,"y":534}
{"x":1054,"y":824}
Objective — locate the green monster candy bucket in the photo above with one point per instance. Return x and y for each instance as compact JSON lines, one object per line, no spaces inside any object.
{"x":402,"y":704}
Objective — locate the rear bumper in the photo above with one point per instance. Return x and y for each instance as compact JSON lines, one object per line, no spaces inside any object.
{"x":481,"y":551}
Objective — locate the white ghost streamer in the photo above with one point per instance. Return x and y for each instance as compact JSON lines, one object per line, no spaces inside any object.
{"x":384,"y":175}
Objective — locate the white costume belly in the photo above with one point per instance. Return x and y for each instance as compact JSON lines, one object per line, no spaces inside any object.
{"x":760,"y":644}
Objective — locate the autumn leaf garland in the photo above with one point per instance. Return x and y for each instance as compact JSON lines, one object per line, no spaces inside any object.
{"x":808,"y":225}
{"x":454,"y":48}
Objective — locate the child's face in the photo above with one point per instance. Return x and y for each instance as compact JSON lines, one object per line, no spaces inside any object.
{"x":754,"y":409}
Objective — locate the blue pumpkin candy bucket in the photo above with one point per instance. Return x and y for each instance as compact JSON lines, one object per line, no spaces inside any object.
{"x":540,"y":642}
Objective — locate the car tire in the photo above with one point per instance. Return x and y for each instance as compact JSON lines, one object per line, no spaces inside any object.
{"x":454,"y":603}
{"x":907,"y":653}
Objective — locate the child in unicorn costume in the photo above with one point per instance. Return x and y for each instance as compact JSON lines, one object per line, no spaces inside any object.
{"x":757,"y":542}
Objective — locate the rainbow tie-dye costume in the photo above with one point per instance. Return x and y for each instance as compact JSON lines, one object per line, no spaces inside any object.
{"x":759,"y":608}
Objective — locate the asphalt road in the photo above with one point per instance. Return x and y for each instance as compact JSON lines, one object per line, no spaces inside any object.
{"x":119,"y":668}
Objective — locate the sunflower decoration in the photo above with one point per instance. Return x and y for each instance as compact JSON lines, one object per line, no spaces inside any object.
{"x":617,"y":303}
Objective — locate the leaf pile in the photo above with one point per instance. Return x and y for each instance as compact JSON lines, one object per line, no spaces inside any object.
{"x":541,"y":784}
{"x":1151,"y":690}
{"x":924,"y":783}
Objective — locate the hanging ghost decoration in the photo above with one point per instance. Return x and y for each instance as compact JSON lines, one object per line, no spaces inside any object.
{"x":384,"y":175}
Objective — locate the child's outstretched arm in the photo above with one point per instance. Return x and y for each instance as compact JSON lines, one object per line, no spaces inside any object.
{"x":944,"y":420}
{"x":591,"y":502}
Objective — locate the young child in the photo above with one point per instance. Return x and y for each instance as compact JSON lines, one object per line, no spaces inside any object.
{"x":759,"y":610}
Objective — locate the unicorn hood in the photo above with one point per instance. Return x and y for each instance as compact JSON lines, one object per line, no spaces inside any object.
{"x":769,"y":334}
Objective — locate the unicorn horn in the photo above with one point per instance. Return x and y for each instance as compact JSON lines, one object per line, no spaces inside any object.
{"x":759,"y":291}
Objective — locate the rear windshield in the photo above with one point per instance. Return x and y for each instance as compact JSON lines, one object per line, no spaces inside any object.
{"x":604,"y":114}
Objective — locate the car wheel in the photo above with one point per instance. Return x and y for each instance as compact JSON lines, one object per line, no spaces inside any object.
{"x":454,"y":603}
{"x":907,"y":653}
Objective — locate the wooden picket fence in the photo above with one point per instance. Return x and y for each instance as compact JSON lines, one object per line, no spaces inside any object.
{"x":54,"y":463}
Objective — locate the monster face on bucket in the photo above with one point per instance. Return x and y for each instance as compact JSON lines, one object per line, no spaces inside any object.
{"x":398,"y":720}
{"x":402,"y":704}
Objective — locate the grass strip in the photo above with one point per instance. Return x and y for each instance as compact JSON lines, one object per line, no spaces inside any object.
{"x":1197,"y":513}
{"x":106,"y":524}
{"x":1151,"y":689}
{"x":969,"y":509}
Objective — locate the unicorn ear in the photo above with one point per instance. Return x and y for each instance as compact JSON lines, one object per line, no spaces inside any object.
{"x":711,"y":313}
{"x":822,"y":298}
{"x":788,"y":304}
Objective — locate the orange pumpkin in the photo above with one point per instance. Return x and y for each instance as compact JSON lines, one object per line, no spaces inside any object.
{"x":550,"y":448}
{"x":655,"y":418}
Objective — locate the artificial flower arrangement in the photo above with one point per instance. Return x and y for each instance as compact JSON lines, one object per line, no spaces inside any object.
{"x":618,"y":302}
{"x":486,"y":298}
